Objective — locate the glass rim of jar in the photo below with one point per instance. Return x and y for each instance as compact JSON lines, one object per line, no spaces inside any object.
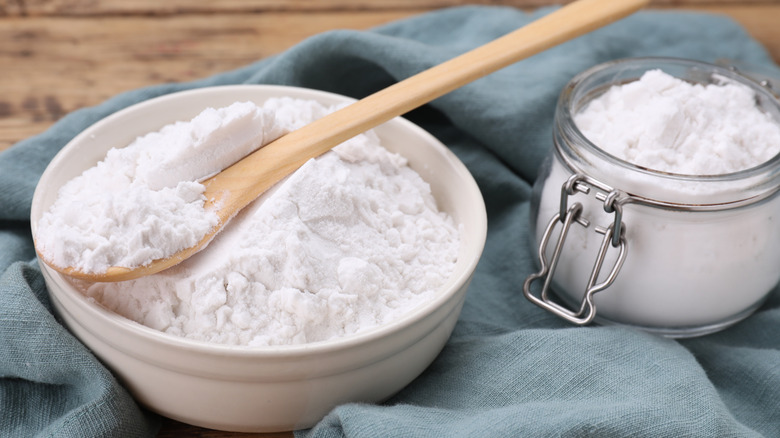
{"x":767,"y":171}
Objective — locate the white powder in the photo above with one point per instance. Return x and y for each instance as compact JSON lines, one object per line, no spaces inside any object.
{"x":350,"y":241}
{"x":664,"y":123}
{"x":685,"y":272}
{"x":142,"y":202}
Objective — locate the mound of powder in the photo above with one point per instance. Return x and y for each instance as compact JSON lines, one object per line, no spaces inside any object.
{"x":350,"y":241}
{"x":143,"y":201}
{"x":664,"y":123}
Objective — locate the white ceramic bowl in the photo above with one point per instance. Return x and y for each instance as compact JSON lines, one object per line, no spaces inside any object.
{"x":264,"y":389}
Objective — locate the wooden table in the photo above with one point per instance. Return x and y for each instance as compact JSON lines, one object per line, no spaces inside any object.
{"x":60,"y":55}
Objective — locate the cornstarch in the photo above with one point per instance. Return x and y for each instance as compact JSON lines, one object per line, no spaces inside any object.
{"x":687,"y":271}
{"x":143,"y":201}
{"x":664,"y":123}
{"x":350,"y":241}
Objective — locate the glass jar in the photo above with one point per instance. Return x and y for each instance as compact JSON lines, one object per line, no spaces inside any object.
{"x":679,"y":255}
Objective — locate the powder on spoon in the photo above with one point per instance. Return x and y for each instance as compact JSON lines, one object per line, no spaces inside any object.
{"x":350,"y":241}
{"x":143,"y":201}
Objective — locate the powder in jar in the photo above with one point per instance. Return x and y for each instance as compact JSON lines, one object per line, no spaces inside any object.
{"x":686,"y":271}
{"x":350,"y":241}
{"x":667,"y":124}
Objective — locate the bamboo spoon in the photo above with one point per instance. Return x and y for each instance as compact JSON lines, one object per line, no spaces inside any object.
{"x":235,"y":187}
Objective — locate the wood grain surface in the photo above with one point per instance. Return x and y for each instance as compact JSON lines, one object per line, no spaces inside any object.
{"x":57,"y":56}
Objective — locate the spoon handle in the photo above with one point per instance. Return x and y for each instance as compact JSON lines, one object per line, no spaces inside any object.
{"x":235,"y":187}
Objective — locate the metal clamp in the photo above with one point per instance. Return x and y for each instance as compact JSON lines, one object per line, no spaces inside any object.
{"x":613,"y":237}
{"x":757,"y":74}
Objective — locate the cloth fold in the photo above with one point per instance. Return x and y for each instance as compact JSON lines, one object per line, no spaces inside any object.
{"x":509,"y":369}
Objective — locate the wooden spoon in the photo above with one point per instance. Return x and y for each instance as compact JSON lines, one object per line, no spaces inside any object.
{"x":238,"y":185}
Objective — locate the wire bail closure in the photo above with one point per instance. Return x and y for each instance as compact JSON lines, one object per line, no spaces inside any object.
{"x":614,"y":236}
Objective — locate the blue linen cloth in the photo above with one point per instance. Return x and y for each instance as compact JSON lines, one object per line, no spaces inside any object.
{"x":510,"y":369}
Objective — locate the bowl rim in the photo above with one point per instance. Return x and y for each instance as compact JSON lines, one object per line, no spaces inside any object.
{"x":458,"y":280}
